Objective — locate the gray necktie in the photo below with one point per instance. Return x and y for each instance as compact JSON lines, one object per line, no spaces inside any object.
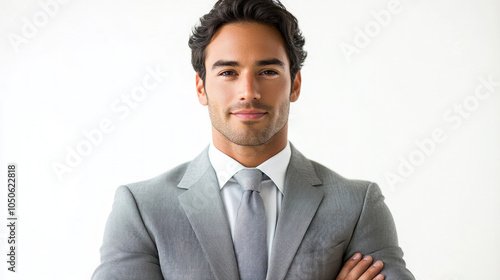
{"x":250,"y":230}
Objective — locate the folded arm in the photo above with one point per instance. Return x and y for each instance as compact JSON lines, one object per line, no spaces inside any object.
{"x":375,"y":235}
{"x":128,"y":251}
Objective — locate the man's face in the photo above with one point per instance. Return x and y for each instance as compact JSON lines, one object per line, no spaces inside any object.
{"x":248,"y":85}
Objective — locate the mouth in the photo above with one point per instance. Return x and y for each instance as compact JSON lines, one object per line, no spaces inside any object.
{"x":249,"y":114}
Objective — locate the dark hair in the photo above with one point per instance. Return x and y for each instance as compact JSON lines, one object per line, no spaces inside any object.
{"x":270,"y":12}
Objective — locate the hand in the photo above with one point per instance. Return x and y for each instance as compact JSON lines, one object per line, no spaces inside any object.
{"x":358,"y":268}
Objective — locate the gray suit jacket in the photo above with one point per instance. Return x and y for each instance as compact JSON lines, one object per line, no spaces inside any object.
{"x":174,"y":226}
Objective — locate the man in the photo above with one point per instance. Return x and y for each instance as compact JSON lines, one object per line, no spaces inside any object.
{"x":250,"y":206}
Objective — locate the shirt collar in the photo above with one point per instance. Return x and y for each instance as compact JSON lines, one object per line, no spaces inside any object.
{"x":275,"y":167}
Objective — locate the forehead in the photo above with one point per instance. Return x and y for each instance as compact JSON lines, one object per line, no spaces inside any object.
{"x":246,"y":41}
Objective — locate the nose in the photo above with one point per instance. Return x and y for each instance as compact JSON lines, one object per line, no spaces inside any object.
{"x":248,"y":87}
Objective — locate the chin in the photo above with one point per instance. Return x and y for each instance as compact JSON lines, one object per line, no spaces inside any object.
{"x":253,"y":140}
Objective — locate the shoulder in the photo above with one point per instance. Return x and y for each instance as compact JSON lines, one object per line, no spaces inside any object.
{"x":336,"y":184}
{"x":331,"y":178}
{"x":348,"y":198}
{"x":337,"y":188}
{"x":321,"y":176}
{"x":173,"y":179}
{"x":161,"y":189}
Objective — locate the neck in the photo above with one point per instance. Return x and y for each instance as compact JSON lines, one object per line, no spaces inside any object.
{"x":251,"y":156}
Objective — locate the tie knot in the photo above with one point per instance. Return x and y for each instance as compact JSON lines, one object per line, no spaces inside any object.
{"x":249,"y":179}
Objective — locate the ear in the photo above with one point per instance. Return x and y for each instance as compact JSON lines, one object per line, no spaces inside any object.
{"x":296,"y":87}
{"x":200,"y":91}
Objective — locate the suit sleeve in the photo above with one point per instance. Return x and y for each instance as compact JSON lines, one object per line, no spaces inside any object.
{"x":128,"y":251}
{"x":375,"y":235}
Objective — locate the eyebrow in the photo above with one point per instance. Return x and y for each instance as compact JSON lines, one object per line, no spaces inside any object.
{"x":272,"y":61}
{"x":265,"y":62}
{"x":222,"y":63}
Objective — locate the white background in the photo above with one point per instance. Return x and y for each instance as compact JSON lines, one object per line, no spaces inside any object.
{"x":362,"y":115}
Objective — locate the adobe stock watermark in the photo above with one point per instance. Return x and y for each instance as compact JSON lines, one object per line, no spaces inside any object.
{"x":121,"y":109}
{"x":453,"y":118}
{"x":373,"y":28}
{"x":31,"y":26}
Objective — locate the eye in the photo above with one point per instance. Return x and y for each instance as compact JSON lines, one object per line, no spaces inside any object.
{"x":269,"y":73}
{"x":227,"y":73}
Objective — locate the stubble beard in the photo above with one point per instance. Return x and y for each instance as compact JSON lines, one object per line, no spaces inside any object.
{"x":251,"y":136}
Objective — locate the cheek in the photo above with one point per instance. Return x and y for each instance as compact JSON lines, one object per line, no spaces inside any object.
{"x":276,"y":94}
{"x":218,"y":99}
{"x":277,"y":87}
{"x":220,"y":91}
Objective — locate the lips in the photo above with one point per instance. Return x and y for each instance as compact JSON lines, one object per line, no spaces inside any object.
{"x":249,"y":114}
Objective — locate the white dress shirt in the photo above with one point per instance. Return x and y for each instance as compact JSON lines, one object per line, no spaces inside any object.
{"x":273,"y":186}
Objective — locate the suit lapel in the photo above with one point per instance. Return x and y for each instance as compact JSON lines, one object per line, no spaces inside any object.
{"x":301,"y":199}
{"x":204,"y":208}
